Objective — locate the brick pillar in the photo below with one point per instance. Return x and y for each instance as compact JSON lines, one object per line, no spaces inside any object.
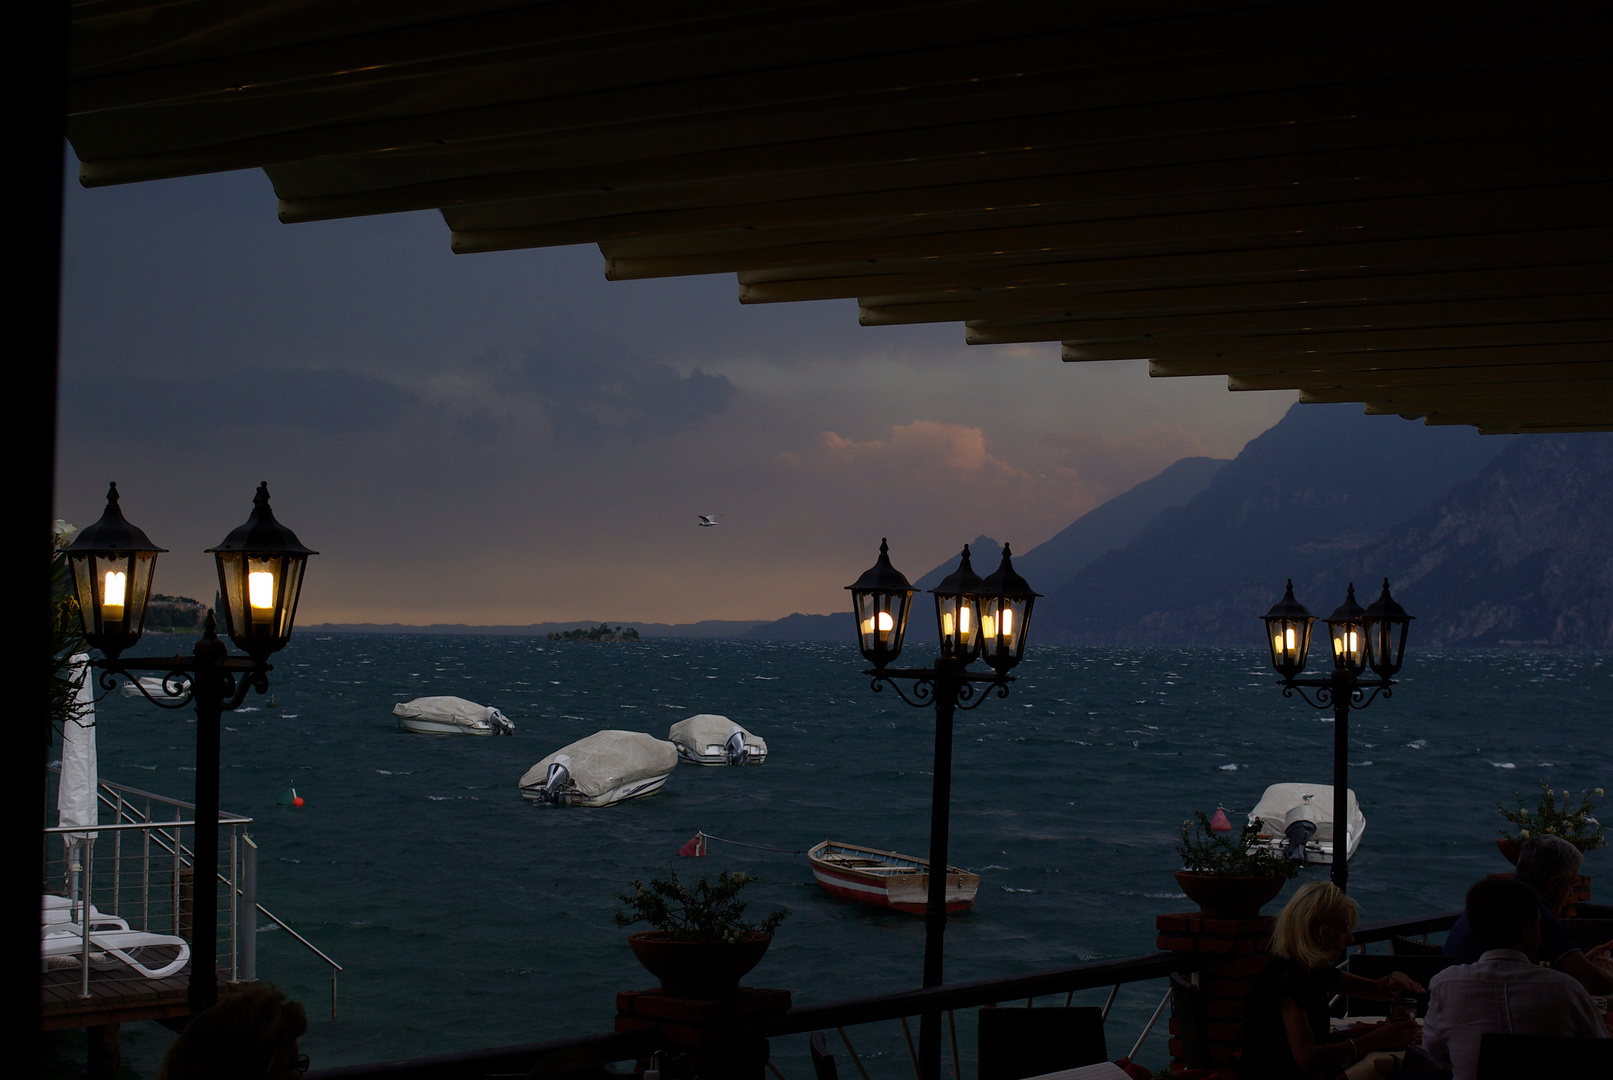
{"x":723,"y":1037}
{"x":1230,"y":952}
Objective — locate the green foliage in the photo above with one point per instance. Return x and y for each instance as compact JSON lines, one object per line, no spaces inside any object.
{"x":1573,"y":823}
{"x":66,"y":634}
{"x":602,"y":632}
{"x":702,"y":912}
{"x":1205,"y":851}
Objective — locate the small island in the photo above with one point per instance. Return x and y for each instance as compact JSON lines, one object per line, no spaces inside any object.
{"x":602,"y":632}
{"x":174,"y":615}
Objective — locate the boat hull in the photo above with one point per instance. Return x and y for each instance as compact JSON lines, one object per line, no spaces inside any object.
{"x":864,"y":875}
{"x":635,"y":790}
{"x":420,"y":726}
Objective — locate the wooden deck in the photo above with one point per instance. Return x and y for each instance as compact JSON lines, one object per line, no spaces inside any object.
{"x":117,"y":995}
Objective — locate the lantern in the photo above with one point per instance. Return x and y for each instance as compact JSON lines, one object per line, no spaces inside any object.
{"x":260,"y":568}
{"x":880,"y":599}
{"x":112,"y":564}
{"x":957,"y":612}
{"x":1006,"y":600}
{"x":1347,"y":630}
{"x":1386,"y":625}
{"x":1288,"y":632}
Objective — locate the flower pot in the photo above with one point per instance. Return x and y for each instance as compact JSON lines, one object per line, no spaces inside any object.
{"x":703,"y":969}
{"x":1228,"y":897}
{"x":1509,"y":848}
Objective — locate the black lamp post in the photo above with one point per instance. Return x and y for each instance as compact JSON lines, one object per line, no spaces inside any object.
{"x":973,"y":618}
{"x":1371,"y":638}
{"x":260,"y":569}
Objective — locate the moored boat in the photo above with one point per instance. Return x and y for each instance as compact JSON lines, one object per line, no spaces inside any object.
{"x":606,"y":767}
{"x":450,"y":716}
{"x":865,"y":875}
{"x":1296,"y":821}
{"x":709,"y":739}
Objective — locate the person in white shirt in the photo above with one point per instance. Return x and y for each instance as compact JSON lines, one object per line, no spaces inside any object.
{"x":1504,"y":991}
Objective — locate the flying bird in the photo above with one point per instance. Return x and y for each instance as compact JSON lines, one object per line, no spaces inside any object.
{"x":707,"y":520}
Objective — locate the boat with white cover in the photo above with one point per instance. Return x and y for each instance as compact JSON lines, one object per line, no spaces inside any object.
{"x":709,"y":739}
{"x":1296,"y":821}
{"x":450,"y":716}
{"x":605,"y":768}
{"x":865,"y":875}
{"x":151,"y":686}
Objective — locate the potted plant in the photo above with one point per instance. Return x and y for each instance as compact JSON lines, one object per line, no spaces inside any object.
{"x":699,"y":943}
{"x":1573,"y":823}
{"x":1227,"y":875}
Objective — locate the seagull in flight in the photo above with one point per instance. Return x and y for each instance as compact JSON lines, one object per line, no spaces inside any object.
{"x":707,"y":520}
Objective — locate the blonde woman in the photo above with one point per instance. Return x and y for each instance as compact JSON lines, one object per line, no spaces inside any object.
{"x":1286,"y":1027}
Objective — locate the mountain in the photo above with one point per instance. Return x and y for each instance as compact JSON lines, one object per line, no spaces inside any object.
{"x":1304,"y":500}
{"x":1520,"y":554}
{"x":798,"y":627}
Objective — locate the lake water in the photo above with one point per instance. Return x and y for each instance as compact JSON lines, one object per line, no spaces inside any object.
{"x":466,"y":917}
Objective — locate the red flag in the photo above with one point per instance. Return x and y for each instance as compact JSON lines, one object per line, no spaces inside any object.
{"x":695,"y":848}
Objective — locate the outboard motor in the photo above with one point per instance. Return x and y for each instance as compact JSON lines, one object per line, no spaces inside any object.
{"x":737,"y":755}
{"x":554,"y":784}
{"x":1298,"y":828}
{"x":501,"y":726}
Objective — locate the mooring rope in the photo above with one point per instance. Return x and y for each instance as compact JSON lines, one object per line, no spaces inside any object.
{"x":758,"y":847}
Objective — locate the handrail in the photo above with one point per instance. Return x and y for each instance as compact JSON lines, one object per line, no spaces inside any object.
{"x":612,"y":1046}
{"x":1367,"y":933}
{"x":864,"y":1010}
{"x":130,"y":826}
{"x":282,"y":924}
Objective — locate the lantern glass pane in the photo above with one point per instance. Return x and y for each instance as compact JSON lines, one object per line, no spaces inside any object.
{"x":958,"y":623}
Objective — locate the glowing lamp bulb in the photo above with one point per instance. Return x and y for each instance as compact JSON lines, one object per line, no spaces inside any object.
{"x":112,"y":596}
{"x":1291,"y":639}
{"x":260,"y":589}
{"x":946,"y":624}
{"x":963,"y":621}
{"x":885,"y":623}
{"x":1008,"y":622}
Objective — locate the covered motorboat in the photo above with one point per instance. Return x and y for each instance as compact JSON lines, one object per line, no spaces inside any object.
{"x":450,"y":716}
{"x":1296,"y":821}
{"x":709,"y":739}
{"x":604,"y":768}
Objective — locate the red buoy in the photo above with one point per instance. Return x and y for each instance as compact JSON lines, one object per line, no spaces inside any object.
{"x":296,"y":800}
{"x":1218,"y":820}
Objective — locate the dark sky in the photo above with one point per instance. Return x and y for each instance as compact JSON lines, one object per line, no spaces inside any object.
{"x":510,"y":438}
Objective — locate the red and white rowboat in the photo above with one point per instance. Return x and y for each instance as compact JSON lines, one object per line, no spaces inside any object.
{"x":865,"y":875}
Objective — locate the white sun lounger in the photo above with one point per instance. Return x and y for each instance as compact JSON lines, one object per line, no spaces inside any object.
{"x":67,"y":939}
{"x":56,"y":912}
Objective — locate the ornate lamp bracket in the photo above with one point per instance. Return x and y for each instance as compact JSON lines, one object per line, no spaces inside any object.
{"x":1359,"y":692}
{"x":957,"y":686}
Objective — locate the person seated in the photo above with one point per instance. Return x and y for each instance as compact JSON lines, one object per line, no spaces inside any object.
{"x":1286,"y":1026}
{"x":1548,"y":865}
{"x":1504,"y":991}
{"x":249,"y":1034}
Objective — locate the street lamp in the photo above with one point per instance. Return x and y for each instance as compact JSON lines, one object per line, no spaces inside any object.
{"x":973,"y":618}
{"x":260,"y":569}
{"x":1374,"y":637}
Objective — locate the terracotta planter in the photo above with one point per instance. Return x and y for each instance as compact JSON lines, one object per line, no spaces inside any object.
{"x":703,"y":969}
{"x":1228,"y":897}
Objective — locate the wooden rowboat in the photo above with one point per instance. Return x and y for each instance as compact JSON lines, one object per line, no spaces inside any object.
{"x":865,"y":875}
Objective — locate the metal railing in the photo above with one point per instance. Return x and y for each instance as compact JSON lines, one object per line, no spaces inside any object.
{"x":141,"y":873}
{"x":876,"y":1008}
{"x":902,"y":1006}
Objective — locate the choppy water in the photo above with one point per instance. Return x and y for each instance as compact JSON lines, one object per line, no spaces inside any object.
{"x":466,"y":917}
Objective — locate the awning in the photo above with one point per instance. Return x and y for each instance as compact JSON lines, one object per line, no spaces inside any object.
{"x":1404,"y":205}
